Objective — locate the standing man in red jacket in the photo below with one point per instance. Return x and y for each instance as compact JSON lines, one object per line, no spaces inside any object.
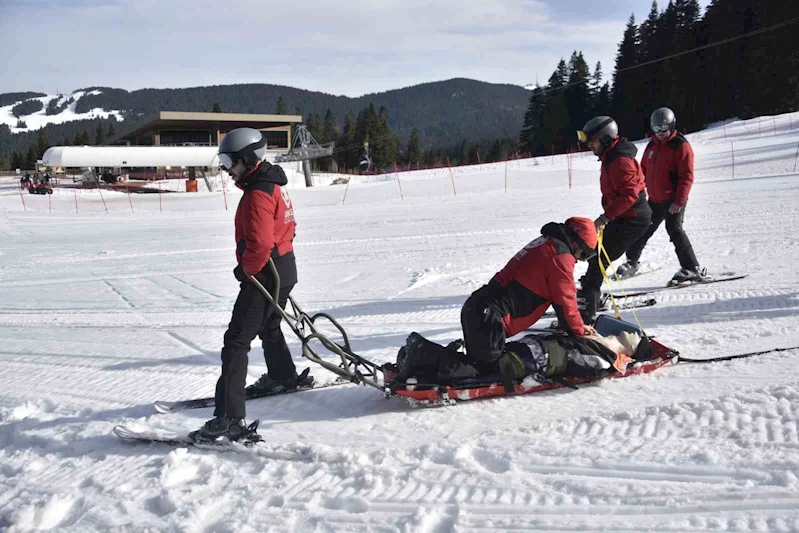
{"x":668,"y":165}
{"x":626,"y":212}
{"x":539,"y":275}
{"x":264,"y":228}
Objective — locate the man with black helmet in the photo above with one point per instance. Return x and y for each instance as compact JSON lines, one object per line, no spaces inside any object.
{"x":264,"y":228}
{"x":626,"y":213}
{"x":668,"y":166}
{"x":539,"y":275}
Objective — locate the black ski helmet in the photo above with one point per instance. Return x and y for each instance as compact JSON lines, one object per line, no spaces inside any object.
{"x":663,"y":118}
{"x":603,"y":128}
{"x":246,"y":144}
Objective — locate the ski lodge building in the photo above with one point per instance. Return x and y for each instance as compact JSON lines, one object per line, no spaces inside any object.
{"x":180,"y":128}
{"x":171,"y":141}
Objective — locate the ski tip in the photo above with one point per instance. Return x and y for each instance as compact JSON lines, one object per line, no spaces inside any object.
{"x":163,"y":407}
{"x":123,"y":432}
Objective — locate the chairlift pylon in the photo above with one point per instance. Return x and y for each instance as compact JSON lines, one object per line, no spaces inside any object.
{"x":304,"y":147}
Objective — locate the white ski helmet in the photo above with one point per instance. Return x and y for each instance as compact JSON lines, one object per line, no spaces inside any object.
{"x":246,"y":144}
{"x":663,"y":120}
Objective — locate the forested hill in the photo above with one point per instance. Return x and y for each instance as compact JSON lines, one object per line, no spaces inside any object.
{"x":445,"y":112}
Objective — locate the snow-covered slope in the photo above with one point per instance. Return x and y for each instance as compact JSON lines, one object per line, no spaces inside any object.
{"x":39,"y":119}
{"x":101,"y":314}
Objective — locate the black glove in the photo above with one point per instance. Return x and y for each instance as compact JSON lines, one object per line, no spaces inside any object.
{"x":239,"y":273}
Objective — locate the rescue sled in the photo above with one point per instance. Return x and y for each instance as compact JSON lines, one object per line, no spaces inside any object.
{"x":654,"y":356}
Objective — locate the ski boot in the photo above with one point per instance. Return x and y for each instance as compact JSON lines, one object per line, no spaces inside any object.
{"x":267,"y":385}
{"x":511,"y":368}
{"x":587,"y":301}
{"x":603,"y":303}
{"x":688,"y":275}
{"x":627,"y":270}
{"x":222,"y":428}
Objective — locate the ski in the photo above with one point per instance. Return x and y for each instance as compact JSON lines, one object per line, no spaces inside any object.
{"x":175,"y":439}
{"x":306,"y":383}
{"x":705,"y":281}
{"x":649,"y":302}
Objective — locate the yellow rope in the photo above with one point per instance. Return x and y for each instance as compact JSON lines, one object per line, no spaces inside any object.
{"x":607,"y":279}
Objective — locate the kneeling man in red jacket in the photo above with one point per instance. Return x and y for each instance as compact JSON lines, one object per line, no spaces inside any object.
{"x":539,"y":275}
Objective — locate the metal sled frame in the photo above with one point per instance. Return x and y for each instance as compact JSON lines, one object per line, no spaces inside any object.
{"x":352,"y":367}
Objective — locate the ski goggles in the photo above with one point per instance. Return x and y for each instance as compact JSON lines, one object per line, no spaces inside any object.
{"x":588,"y":253}
{"x":660,"y":128}
{"x":582,"y":136}
{"x":226,"y":161}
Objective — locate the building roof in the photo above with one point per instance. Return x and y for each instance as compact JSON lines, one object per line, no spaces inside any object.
{"x":131,"y":156}
{"x":193,"y":120}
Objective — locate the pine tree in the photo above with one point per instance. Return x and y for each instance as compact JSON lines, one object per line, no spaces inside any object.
{"x":99,"y":136}
{"x":595,"y":89}
{"x":329,"y":134}
{"x":555,"y":135}
{"x":4,"y":163}
{"x":281,"y":106}
{"x":500,"y":149}
{"x":216,"y":108}
{"x":42,"y":144}
{"x":578,"y":97}
{"x":31,"y":157}
{"x":314,"y":125}
{"x":530,"y":138}
{"x":651,"y":48}
{"x":112,"y":132}
{"x":66,"y":141}
{"x":414,"y":153}
{"x":347,"y":150}
{"x":329,"y":129}
{"x":17,"y":161}
{"x":628,"y":94}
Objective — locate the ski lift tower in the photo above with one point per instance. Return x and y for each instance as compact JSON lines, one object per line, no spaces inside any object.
{"x":304,"y":148}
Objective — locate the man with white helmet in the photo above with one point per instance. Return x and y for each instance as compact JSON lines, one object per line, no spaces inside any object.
{"x":264,"y":229}
{"x":668,"y":166}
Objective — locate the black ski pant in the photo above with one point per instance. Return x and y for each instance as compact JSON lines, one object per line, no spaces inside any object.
{"x":618,"y":236}
{"x":252,"y":315}
{"x":682,"y":245}
{"x":483,"y":330}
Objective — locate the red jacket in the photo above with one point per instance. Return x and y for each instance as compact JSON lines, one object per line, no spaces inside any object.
{"x":669,"y":169}
{"x":622,"y":182}
{"x":264,"y":219}
{"x":540,"y":275}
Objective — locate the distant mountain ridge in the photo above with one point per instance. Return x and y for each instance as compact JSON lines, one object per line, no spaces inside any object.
{"x":446,"y":112}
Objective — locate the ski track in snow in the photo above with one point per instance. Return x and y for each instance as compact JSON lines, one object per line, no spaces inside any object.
{"x":101,"y":315}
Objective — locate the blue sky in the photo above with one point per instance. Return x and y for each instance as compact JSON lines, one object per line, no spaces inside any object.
{"x":348,"y":47}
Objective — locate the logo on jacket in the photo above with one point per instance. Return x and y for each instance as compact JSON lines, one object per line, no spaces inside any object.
{"x":533,"y":244}
{"x":287,"y":200}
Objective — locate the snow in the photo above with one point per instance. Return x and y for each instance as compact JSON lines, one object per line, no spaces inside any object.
{"x":40,"y":119}
{"x":103,"y":313}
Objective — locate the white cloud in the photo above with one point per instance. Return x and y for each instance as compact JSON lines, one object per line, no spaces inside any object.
{"x":351,"y":48}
